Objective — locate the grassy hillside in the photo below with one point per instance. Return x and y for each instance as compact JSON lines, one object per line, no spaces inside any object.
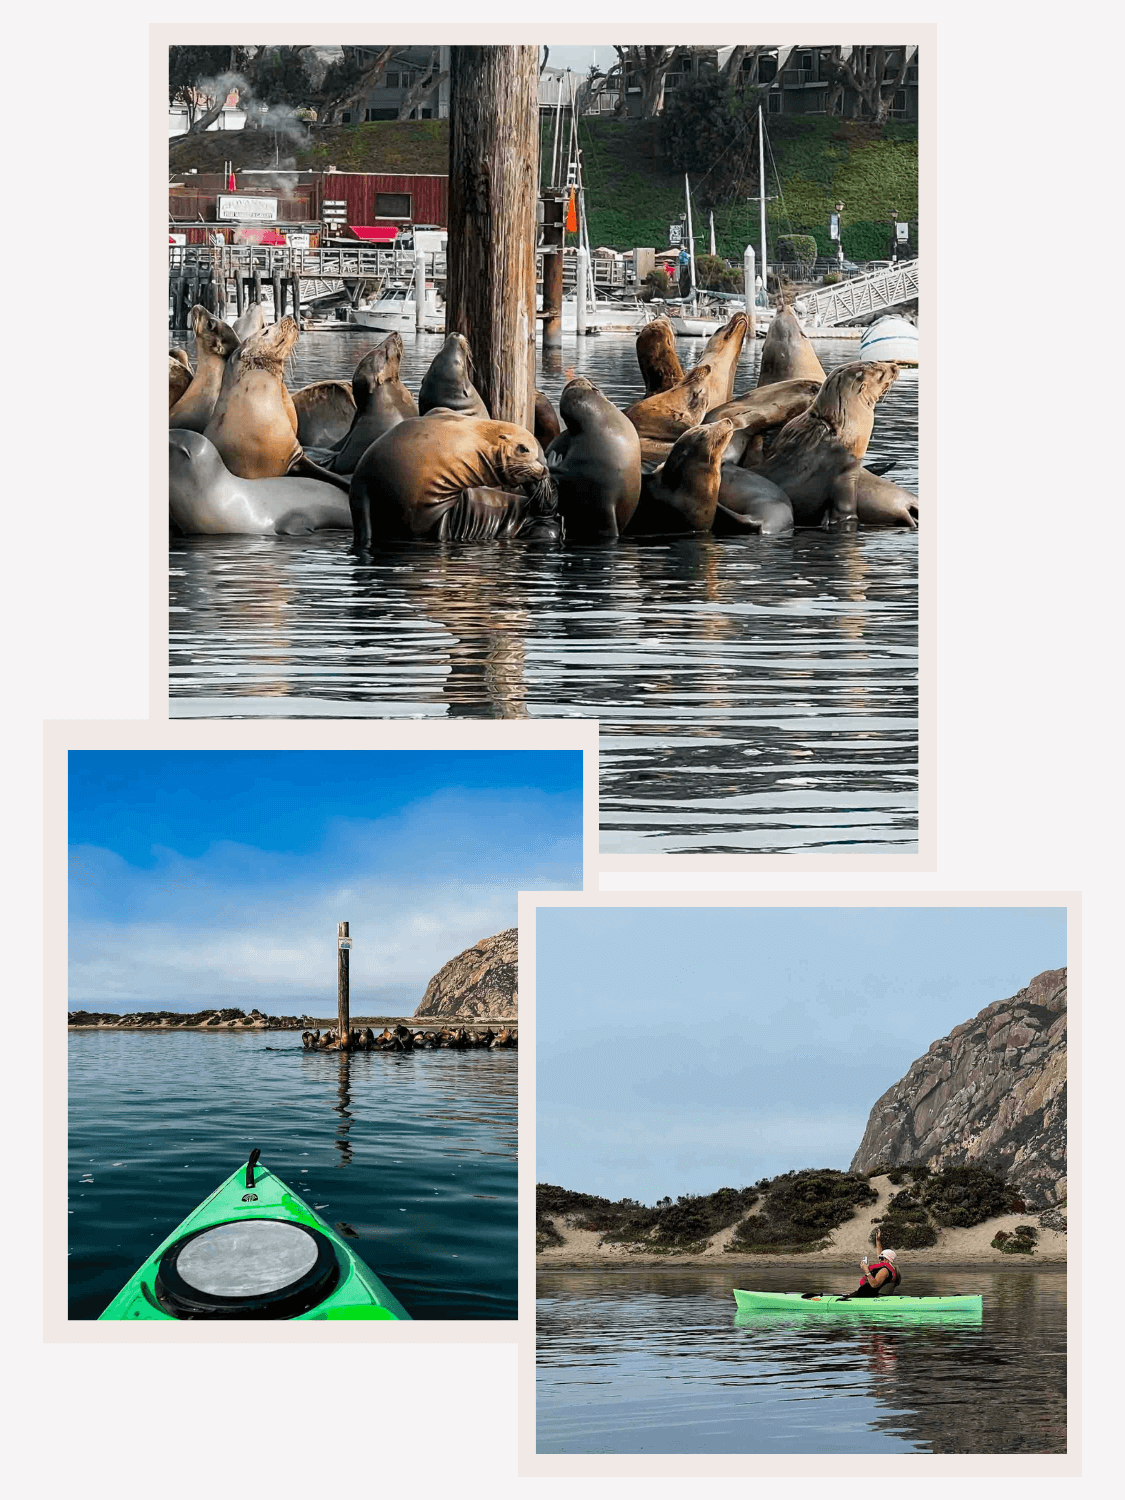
{"x":632,"y":195}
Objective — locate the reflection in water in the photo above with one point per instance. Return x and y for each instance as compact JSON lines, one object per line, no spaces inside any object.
{"x":754,"y":695}
{"x":658,"y":1361}
{"x":415,"y":1154}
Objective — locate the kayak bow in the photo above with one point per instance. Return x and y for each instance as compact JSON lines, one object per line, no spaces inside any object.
{"x":797,"y":1302}
{"x":253,"y":1249}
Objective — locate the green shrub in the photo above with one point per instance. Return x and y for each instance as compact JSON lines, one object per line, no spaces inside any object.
{"x":1021,"y":1241}
{"x":905,"y":1234}
{"x":798,"y":247}
{"x":713,"y":274}
{"x":830,"y":278}
{"x":959,"y":1197}
{"x":801,"y":1208}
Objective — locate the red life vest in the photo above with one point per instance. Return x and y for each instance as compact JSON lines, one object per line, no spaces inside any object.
{"x":883,"y":1265}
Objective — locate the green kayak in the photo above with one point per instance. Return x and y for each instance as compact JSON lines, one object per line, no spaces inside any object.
{"x":254,"y":1250}
{"x":895,"y":1305}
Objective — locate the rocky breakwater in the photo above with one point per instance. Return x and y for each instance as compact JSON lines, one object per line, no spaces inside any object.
{"x":991,"y":1094}
{"x":480,"y":982}
{"x":405,"y":1039}
{"x":171,"y":1020}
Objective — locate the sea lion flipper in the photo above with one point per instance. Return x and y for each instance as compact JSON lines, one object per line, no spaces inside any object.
{"x":301,"y":464}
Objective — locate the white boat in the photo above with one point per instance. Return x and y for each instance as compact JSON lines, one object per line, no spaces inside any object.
{"x":891,"y":337}
{"x":394,"y":310}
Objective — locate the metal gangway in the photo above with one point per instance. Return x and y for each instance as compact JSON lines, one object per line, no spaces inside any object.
{"x":862,"y":295}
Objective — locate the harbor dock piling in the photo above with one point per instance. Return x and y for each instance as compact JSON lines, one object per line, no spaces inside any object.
{"x":343,"y":983}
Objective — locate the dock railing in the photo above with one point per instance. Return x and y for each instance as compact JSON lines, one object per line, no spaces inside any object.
{"x":861,"y":295}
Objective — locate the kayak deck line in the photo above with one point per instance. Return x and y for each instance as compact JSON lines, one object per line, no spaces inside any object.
{"x":827,"y":1302}
{"x":254,"y":1250}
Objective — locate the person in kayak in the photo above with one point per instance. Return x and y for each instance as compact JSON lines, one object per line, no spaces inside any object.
{"x":882,"y":1275}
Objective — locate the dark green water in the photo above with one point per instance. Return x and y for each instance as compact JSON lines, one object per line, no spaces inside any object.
{"x":415,"y":1152}
{"x":656,"y":1362}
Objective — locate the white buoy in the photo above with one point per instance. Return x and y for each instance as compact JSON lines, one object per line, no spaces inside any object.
{"x":580,"y":292}
{"x":420,"y":290}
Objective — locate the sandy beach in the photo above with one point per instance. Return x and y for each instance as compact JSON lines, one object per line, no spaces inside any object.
{"x":966,"y":1247}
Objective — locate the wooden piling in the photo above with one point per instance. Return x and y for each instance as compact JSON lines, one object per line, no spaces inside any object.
{"x":239,"y":291}
{"x":296,"y":289}
{"x":256,"y":277}
{"x":493,"y":156}
{"x":552,"y":298}
{"x":278,"y":299}
{"x":343,"y":993}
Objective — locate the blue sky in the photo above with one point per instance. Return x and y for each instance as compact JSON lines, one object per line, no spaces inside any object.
{"x":686,"y":1049}
{"x":205,"y":877}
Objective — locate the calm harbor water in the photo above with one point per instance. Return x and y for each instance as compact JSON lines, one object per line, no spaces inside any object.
{"x":755,"y":695}
{"x":416,"y":1152}
{"x":658,"y":1361}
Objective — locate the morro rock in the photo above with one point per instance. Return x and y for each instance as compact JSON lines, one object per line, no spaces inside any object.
{"x":992,"y":1093}
{"x":479,"y":982}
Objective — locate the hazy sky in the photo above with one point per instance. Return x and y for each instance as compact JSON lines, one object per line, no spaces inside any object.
{"x":687,"y":1049}
{"x":216,"y":878}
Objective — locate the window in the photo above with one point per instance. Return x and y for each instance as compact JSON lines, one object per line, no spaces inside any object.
{"x":773,"y":104}
{"x":427,"y":114}
{"x":804,"y":61}
{"x":392,"y":81}
{"x":346,"y":117}
{"x":767,"y":69}
{"x":392,"y":205}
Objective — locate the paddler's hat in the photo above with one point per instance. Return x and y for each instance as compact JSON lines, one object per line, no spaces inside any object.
{"x":891,"y":1256}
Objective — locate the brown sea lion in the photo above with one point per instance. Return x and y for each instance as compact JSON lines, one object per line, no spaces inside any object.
{"x":657,"y":357}
{"x":215,"y":342}
{"x":682,"y":494}
{"x":787,"y":353}
{"x":179,"y":377}
{"x":666,"y":415}
{"x":381,"y":401}
{"x":596,"y":463}
{"x":252,"y":321}
{"x":449,"y":380}
{"x":721,"y":352}
{"x":451,"y":477}
{"x":815,"y":457}
{"x":756,"y":412}
{"x":881,"y":503}
{"x":324,"y":413}
{"x":251,"y":425}
{"x":547,"y":426}
{"x":181,"y":357}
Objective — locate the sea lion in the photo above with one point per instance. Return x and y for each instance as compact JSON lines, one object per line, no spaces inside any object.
{"x":251,"y":425}
{"x":721,"y":352}
{"x":815,"y":457}
{"x":181,"y":357}
{"x":682,"y":494}
{"x":451,"y":477}
{"x":206,"y":499}
{"x":252,"y":321}
{"x":756,"y":412}
{"x":751,"y":498}
{"x":786,"y":352}
{"x":881,"y":503}
{"x":324,"y":413}
{"x":449,"y":380}
{"x":381,"y":401}
{"x":179,"y":376}
{"x":657,"y":357}
{"x":596,"y":463}
{"x":547,"y":426}
{"x":666,"y":415}
{"x":215,"y":342}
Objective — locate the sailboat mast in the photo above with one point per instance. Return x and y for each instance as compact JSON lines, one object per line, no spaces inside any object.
{"x":690,"y":236}
{"x":712,"y":233}
{"x":762,"y":190}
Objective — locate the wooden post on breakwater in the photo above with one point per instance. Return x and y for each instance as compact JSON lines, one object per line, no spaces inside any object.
{"x":239,"y":291}
{"x":493,"y":161}
{"x":278,"y":298}
{"x":256,"y":277}
{"x":343,"y":993}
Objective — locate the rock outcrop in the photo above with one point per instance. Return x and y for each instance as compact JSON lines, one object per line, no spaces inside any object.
{"x":991,"y":1093}
{"x":479,"y":982}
